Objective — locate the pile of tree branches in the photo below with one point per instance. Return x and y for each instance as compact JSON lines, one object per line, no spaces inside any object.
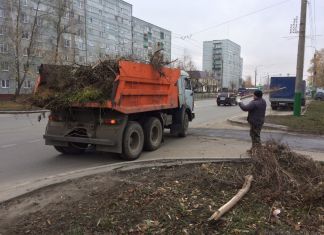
{"x":287,"y":175}
{"x":63,"y":85}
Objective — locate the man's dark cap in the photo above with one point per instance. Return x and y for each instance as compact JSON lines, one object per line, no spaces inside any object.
{"x":258,"y":93}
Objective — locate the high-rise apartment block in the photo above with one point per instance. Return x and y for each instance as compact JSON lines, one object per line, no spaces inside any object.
{"x":223,"y":59}
{"x":70,"y":32}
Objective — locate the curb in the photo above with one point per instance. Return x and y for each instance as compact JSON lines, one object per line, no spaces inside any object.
{"x":27,"y":188}
{"x":267,"y":126}
{"x":25,"y":112}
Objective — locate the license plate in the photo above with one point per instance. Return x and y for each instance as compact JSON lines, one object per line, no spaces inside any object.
{"x":222,"y":98}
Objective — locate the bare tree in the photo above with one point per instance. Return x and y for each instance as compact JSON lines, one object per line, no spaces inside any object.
{"x":62,"y":23}
{"x":23,"y":53}
{"x":248,"y":82}
{"x":317,"y":69}
{"x":186,"y":63}
{"x":232,"y":85}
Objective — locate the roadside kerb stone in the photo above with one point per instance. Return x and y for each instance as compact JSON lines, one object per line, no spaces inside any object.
{"x":239,"y":120}
{"x":23,"y":189}
{"x":24,"y":112}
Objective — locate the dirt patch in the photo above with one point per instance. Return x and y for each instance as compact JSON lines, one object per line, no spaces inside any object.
{"x":178,"y":200}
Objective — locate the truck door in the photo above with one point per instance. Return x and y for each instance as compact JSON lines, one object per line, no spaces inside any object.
{"x":189,"y":95}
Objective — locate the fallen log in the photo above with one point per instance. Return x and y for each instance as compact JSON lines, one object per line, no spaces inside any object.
{"x":226,"y":207}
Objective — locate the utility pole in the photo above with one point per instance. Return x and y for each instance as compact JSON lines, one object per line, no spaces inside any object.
{"x":255,"y":76}
{"x":85,"y":30}
{"x":222,"y":81}
{"x":300,"y":59}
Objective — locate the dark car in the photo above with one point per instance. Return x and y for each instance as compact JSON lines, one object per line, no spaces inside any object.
{"x":319,"y":96}
{"x":242,"y":91}
{"x":226,"y":98}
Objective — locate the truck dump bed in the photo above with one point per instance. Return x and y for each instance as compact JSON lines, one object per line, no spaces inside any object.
{"x":140,"y":88}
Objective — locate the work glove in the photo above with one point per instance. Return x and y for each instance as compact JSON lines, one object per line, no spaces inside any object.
{"x":238,"y":99}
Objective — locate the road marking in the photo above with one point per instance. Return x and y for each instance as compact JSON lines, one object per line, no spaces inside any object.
{"x":34,"y":141}
{"x":8,"y":146}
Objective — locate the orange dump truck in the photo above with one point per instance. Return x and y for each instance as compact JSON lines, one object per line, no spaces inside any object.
{"x":143,"y":103}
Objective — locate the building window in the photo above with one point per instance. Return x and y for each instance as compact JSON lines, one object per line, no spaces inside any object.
{"x":81,"y":4}
{"x":27,"y":84}
{"x":3,"y":48}
{"x":161,"y":35}
{"x":67,"y":15}
{"x":3,"y":30}
{"x":39,"y":21}
{"x":38,"y":53}
{"x":101,"y":34}
{"x":5,"y":83}
{"x":25,"y":35}
{"x":24,"y":18}
{"x":4,"y":66}
{"x":80,"y":33}
{"x":81,"y":59}
{"x":25,"y":51}
{"x":67,"y":43}
{"x":1,"y":13}
{"x":25,"y":2}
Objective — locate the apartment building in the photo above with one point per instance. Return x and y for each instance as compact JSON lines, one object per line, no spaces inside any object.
{"x":148,"y":38}
{"x":69,"y":32}
{"x":223,"y":59}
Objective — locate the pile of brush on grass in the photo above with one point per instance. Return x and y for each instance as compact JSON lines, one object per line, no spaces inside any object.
{"x":284,"y":175}
{"x":64,"y":85}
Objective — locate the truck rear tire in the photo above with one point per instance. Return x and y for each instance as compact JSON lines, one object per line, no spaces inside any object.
{"x":69,"y":150}
{"x":133,"y":141}
{"x":153,"y":133}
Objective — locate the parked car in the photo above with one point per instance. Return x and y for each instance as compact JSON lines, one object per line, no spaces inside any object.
{"x":242,"y":91}
{"x":319,"y":96}
{"x":226,"y":98}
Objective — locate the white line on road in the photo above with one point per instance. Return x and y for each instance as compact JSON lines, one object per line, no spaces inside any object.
{"x":8,"y":146}
{"x":34,"y":141}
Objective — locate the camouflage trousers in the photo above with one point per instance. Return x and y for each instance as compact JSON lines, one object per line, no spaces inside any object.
{"x":255,"y":132}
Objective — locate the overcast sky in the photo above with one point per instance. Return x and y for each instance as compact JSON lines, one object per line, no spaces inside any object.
{"x":261,"y":28}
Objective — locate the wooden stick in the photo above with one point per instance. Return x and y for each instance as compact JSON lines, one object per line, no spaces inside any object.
{"x":225,"y":208}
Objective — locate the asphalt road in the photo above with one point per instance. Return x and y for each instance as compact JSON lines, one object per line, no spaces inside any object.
{"x":25,"y":157}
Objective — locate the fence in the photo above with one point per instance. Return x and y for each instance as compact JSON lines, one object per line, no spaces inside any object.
{"x":203,"y":96}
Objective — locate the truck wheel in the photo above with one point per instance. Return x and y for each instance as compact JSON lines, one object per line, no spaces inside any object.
{"x":69,"y":150}
{"x":133,"y":141}
{"x":153,"y":133}
{"x":184,"y":125}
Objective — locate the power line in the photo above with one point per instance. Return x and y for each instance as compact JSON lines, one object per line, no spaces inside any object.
{"x":315,"y":21}
{"x":238,"y":18}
